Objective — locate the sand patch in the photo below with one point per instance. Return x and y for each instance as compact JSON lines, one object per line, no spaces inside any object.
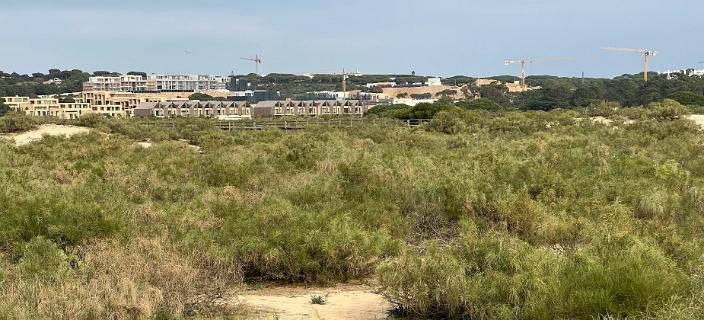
{"x":698,"y":119}
{"x":342,"y":302}
{"x":22,"y":138}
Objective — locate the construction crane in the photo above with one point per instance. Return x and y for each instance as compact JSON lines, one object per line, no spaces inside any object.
{"x":523,"y":63}
{"x":646,"y":57}
{"x":257,"y":61}
{"x":344,"y":84}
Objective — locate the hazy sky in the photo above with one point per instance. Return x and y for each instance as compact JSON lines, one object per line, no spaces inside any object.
{"x":439,"y":37}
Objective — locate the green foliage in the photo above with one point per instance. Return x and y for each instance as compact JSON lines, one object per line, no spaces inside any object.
{"x":389,"y":111}
{"x":32,"y":85}
{"x":421,"y":96}
{"x":666,"y":110}
{"x":319,"y":299}
{"x":43,"y":260}
{"x":16,"y":122}
{"x":201,"y":97}
{"x":483,"y":104}
{"x":479,"y":214}
{"x":3,"y":107}
{"x":687,"y":98}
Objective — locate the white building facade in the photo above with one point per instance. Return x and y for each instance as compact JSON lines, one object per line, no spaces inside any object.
{"x":188,"y":82}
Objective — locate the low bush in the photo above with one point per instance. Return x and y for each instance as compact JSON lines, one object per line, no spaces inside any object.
{"x":16,"y":122}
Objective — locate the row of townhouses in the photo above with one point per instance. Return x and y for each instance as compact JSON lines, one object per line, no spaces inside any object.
{"x":125,"y":104}
{"x":232,"y":110}
{"x":156,"y":83}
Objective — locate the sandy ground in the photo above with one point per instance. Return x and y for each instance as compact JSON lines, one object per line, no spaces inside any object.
{"x":344,"y":302}
{"x":145,"y":144}
{"x":23,"y":138}
{"x":698,"y":119}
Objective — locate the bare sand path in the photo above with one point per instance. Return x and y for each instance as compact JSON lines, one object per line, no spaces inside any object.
{"x":343,"y":302}
{"x":22,"y":138}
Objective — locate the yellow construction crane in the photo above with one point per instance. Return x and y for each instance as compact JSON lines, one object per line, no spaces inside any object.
{"x":646,"y":57}
{"x":344,"y":84}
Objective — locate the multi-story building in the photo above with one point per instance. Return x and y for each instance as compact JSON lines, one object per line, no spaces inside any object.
{"x":123,"y":83}
{"x":17,"y":103}
{"x":188,"y":82}
{"x":156,"y":83}
{"x":70,"y":110}
{"x":102,"y":84}
{"x":46,"y":106}
{"x":105,"y":101}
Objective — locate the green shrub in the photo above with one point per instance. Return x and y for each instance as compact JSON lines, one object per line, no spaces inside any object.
{"x":16,"y":122}
{"x":43,"y":260}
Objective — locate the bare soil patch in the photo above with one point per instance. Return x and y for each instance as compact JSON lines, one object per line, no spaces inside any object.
{"x":698,"y":119}
{"x":23,"y":138}
{"x":342,"y":302}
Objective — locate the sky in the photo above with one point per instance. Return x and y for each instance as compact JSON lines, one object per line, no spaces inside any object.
{"x":439,"y":37}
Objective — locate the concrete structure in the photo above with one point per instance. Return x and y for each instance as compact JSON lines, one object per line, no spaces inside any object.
{"x":381,"y":84}
{"x":156,"y":83}
{"x":104,"y":102}
{"x":123,"y":83}
{"x":71,"y":110}
{"x":188,"y":82}
{"x":433,"y":82}
{"x":223,"y":110}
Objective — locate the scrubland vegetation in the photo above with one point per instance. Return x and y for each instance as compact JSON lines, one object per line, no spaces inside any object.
{"x":478,"y":215}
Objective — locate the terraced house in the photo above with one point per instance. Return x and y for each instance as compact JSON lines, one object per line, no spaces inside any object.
{"x":223,"y":110}
{"x":311,"y":108}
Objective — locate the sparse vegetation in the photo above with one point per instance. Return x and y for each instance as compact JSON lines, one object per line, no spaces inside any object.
{"x":319,"y":299}
{"x":479,"y":214}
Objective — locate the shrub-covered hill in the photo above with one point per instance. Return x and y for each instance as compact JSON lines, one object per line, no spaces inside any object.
{"x":479,"y":215}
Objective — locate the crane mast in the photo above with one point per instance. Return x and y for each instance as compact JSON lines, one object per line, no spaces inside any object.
{"x":522,"y":62}
{"x":647,"y":53}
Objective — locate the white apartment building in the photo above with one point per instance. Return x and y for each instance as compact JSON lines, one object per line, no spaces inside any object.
{"x":188,"y":82}
{"x":156,"y":83}
{"x":123,"y":83}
